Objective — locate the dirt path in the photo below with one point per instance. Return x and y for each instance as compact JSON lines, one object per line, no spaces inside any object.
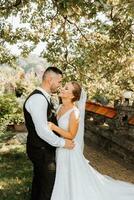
{"x":109,"y":164}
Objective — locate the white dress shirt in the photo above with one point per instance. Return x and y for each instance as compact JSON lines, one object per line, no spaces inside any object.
{"x":37,"y":105}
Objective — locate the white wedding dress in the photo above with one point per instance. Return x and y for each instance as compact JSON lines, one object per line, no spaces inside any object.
{"x":77,"y":180}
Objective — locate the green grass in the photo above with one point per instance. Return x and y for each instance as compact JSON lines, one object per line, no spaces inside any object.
{"x":15,"y":173}
{"x":4,"y":136}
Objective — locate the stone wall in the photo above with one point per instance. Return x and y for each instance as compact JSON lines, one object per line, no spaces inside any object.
{"x":115,"y":135}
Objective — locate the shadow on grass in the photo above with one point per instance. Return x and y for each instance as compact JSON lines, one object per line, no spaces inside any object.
{"x":15,"y":175}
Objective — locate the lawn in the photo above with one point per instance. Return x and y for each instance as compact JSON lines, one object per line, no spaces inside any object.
{"x":15,"y":170}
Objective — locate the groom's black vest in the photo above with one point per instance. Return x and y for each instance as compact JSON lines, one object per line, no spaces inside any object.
{"x":33,"y":140}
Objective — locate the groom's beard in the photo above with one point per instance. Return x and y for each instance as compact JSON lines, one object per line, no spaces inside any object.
{"x":54,"y":90}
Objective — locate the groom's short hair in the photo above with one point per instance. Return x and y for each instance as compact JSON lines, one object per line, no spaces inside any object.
{"x":51,"y":69}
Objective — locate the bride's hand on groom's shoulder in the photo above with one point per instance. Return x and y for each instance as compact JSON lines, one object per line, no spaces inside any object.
{"x":69,"y":144}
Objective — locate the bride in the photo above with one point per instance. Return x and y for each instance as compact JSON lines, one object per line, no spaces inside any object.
{"x":75,"y":178}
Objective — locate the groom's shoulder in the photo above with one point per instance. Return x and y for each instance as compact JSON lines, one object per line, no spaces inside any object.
{"x":35,"y":97}
{"x":35,"y":101}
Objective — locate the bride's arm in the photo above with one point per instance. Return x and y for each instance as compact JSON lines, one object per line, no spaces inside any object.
{"x":72,"y":128}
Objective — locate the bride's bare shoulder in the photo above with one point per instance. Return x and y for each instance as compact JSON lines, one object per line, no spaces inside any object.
{"x":75,"y":113}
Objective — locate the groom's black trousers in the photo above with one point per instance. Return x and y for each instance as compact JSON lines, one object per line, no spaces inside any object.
{"x":43,"y":173}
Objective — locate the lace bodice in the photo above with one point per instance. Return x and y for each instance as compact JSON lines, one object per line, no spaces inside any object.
{"x":63,"y":121}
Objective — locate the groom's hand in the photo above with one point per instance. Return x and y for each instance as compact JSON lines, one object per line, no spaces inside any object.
{"x":69,"y":144}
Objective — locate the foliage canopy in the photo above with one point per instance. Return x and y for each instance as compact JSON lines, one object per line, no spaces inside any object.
{"x":91,"y":40}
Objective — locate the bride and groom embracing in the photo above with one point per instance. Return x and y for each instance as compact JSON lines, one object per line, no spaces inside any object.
{"x":55,"y":146}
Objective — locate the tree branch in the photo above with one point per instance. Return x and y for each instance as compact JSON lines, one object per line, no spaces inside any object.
{"x":77,"y":29}
{"x":15,"y":4}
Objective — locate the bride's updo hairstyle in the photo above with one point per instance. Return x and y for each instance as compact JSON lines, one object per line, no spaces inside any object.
{"x":76,"y":91}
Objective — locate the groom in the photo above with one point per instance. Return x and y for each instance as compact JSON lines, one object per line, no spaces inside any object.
{"x":41,"y":141}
